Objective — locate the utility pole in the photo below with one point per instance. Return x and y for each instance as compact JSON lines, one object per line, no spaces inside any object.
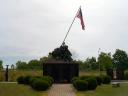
{"x":99,"y":61}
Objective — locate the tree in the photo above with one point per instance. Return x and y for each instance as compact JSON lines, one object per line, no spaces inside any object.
{"x":12,"y":67}
{"x":105,"y":61}
{"x":34,"y":64}
{"x":82,"y":65}
{"x":1,"y":66}
{"x":45,"y":58}
{"x":21,"y":65}
{"x":92,"y":64}
{"x":120,"y":59}
{"x":61,"y":53}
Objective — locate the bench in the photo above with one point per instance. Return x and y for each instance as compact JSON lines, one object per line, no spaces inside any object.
{"x":115,"y":84}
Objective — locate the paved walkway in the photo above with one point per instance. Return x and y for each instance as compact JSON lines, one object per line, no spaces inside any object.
{"x":61,"y":90}
{"x":120,"y":81}
{"x":8,"y":82}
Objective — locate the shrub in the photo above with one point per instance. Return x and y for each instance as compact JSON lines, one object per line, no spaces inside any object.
{"x":48,"y":79}
{"x":37,"y":83}
{"x":99,"y":80}
{"x":106,"y":79}
{"x":24,"y":80}
{"x":27,"y":80}
{"x":20,"y":80}
{"x":45,"y":78}
{"x":80,"y":85}
{"x":40,"y":85}
{"x":92,"y":83}
{"x":52,"y":80}
{"x":31,"y":80}
{"x":126,"y":75}
{"x":74,"y":79}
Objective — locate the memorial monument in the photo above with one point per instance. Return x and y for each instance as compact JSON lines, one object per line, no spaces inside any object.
{"x":61,"y":66}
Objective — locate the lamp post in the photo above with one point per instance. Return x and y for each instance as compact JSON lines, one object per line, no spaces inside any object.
{"x":6,"y":73}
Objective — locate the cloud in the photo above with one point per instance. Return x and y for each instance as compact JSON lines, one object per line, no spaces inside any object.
{"x":33,"y":28}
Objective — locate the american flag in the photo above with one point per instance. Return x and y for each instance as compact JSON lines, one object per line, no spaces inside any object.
{"x":79,"y":15}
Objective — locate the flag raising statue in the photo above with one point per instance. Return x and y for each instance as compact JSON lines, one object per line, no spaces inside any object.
{"x":79,"y":15}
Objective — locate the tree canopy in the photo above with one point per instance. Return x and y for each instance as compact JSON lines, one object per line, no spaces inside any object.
{"x":105,"y":61}
{"x":92,"y":64}
{"x":21,"y":65}
{"x":32,"y":64}
{"x":62,"y":53}
{"x":120,"y":59}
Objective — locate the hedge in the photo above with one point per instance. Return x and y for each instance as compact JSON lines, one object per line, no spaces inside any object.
{"x":37,"y":83}
{"x":99,"y":80}
{"x":20,"y":80}
{"x":89,"y":82}
{"x":92,"y":83}
{"x":40,"y":85}
{"x":106,"y":79}
{"x":81,"y":85}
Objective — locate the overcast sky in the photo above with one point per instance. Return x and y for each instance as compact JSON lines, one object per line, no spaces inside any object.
{"x":30,"y":29}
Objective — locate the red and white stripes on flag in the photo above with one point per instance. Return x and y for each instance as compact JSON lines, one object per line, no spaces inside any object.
{"x":79,"y":15}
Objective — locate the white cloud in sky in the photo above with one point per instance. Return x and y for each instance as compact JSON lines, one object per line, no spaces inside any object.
{"x":32,"y":28}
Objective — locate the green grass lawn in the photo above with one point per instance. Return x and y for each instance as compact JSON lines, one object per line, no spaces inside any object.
{"x":7,"y":89}
{"x":92,"y":73}
{"x":14,"y":74}
{"x":107,"y":90}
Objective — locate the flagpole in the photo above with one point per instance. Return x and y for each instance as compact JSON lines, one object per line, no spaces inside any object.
{"x":69,"y":28}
